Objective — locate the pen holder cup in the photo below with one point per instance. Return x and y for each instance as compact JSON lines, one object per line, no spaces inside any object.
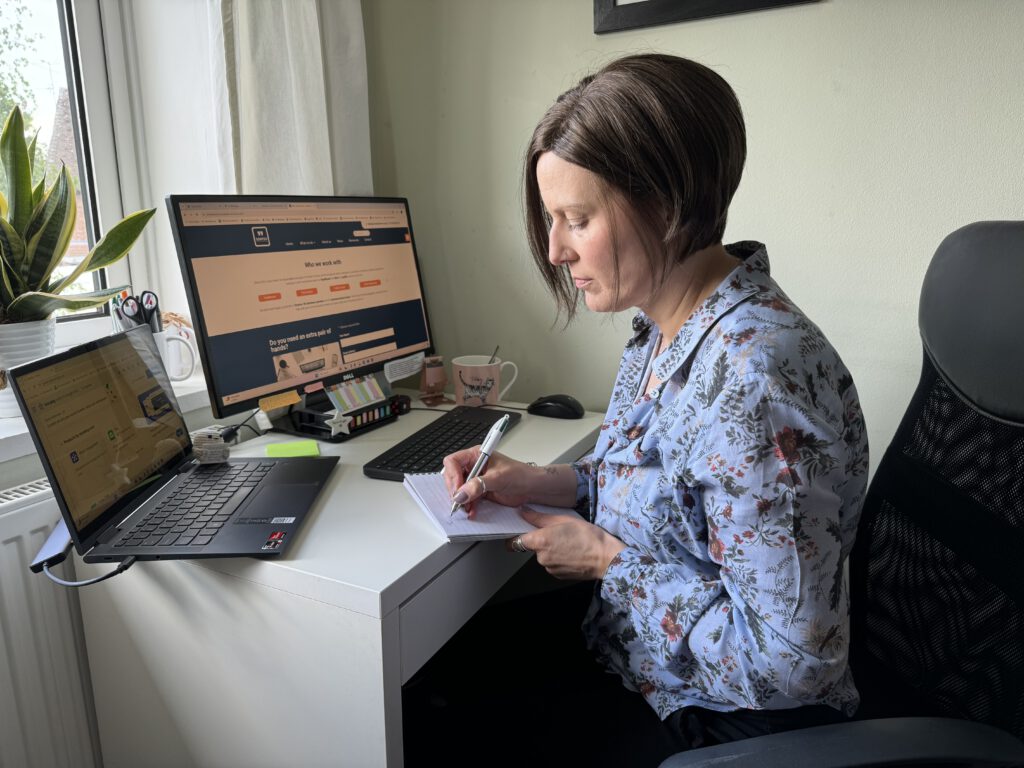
{"x":174,"y":351}
{"x":478,"y":380}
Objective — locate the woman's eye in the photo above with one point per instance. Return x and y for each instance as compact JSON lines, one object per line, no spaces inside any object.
{"x":577,"y":225}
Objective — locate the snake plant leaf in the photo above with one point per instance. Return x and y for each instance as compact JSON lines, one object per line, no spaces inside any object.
{"x":14,"y":155}
{"x":37,"y":192}
{"x":12,"y":250}
{"x":36,"y":227}
{"x":112,"y":247}
{"x":6,"y":288}
{"x":37,"y":305}
{"x":40,"y":188}
{"x":49,"y":231}
{"x":32,"y":155}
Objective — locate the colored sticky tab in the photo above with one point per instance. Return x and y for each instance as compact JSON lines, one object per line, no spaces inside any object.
{"x":294,"y":448}
{"x":282,"y":400}
{"x":357,"y":393}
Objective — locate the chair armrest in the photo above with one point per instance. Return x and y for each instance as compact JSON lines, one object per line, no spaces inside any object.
{"x":857,"y":744}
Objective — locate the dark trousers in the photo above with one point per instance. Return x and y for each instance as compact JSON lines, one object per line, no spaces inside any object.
{"x":517,"y":686}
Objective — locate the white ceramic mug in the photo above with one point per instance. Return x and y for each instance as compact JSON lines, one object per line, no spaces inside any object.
{"x":478,"y":380}
{"x":170,"y":345}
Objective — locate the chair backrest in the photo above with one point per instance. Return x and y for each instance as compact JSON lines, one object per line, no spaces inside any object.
{"x":937,"y":573}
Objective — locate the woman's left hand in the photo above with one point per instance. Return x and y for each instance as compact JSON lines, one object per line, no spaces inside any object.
{"x":568,"y":547}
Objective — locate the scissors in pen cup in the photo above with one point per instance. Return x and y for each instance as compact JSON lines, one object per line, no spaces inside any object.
{"x":143,"y":309}
{"x":132,"y":309}
{"x":151,"y":310}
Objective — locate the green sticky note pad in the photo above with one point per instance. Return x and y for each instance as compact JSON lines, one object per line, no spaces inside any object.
{"x":294,"y":448}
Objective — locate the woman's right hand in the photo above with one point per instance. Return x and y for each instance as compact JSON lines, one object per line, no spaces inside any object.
{"x":505,"y":480}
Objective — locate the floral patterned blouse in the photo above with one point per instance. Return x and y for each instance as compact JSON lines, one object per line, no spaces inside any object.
{"x":736,"y":486}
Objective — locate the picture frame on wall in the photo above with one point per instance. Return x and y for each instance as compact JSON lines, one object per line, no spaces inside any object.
{"x":617,"y":15}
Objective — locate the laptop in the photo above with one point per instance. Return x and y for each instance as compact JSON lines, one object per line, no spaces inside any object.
{"x":115,"y":447}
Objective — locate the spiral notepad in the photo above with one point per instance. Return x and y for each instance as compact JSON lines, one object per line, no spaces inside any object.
{"x":492,"y":521}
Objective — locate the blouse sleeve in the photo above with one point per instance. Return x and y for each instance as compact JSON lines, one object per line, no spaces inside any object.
{"x":773,"y":617}
{"x":584,"y":469}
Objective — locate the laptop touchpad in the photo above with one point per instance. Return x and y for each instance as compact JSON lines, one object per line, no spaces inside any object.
{"x":285,"y":500}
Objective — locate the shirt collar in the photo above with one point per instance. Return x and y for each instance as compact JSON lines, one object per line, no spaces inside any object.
{"x":747,"y":279}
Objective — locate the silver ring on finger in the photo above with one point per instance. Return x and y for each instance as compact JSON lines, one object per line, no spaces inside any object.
{"x":483,"y":485}
{"x":517,"y":544}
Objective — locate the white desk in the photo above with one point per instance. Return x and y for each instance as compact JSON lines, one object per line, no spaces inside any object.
{"x":297,"y":662}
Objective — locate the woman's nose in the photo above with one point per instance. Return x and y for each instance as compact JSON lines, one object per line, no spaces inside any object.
{"x":557,"y":252}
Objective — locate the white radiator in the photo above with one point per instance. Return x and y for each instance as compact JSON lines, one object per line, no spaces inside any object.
{"x":46,"y":709}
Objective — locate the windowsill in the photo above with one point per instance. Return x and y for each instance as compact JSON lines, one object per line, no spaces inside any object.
{"x":16,"y":443}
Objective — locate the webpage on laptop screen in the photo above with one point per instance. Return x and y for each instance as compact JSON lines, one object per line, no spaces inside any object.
{"x":292,"y":293}
{"x":108,"y":422}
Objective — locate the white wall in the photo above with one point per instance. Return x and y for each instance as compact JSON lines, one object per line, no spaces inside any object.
{"x":875,"y":127}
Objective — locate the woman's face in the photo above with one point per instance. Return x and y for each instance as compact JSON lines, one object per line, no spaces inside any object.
{"x":581,"y":237}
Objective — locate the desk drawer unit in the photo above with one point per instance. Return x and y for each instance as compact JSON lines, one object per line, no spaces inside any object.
{"x":430,"y":617}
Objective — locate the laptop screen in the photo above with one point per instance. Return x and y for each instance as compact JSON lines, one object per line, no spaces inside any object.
{"x":106,"y":425}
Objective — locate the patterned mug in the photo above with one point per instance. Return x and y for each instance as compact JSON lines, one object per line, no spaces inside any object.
{"x":478,"y":379}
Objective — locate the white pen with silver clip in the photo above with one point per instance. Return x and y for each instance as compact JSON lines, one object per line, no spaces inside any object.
{"x":490,"y":443}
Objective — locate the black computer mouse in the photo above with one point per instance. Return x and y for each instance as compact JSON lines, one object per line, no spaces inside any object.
{"x":557,"y":407}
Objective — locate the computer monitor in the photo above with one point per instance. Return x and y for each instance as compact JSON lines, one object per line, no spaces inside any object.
{"x":288,"y":293}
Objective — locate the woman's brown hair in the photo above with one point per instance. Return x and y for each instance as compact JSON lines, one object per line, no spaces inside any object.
{"x":665,"y":136}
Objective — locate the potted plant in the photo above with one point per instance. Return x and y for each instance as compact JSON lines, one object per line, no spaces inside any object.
{"x":36,"y":225}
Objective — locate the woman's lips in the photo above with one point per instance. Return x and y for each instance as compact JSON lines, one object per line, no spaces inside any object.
{"x":581,"y":282}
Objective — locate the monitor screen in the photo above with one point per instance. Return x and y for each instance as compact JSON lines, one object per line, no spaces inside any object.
{"x":289,"y":292}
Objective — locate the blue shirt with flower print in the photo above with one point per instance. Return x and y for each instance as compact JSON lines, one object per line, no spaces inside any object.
{"x":736,"y":485}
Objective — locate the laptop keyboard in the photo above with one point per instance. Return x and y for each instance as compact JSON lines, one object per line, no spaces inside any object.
{"x":425,"y":449}
{"x":198,"y":507}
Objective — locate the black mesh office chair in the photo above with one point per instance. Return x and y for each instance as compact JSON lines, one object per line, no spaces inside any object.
{"x":937,"y":573}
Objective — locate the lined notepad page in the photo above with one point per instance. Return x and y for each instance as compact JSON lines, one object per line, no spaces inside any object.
{"x":492,"y":521}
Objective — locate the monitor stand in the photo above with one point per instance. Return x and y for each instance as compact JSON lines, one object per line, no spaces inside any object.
{"x":309,"y":418}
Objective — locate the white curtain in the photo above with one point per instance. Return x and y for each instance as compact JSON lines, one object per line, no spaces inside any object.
{"x":294,"y":75}
{"x":232,"y":96}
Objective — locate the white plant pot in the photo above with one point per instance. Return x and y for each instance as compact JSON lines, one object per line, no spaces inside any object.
{"x":19,"y":343}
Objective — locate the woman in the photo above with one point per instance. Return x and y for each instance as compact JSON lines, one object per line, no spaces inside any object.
{"x":723,"y":494}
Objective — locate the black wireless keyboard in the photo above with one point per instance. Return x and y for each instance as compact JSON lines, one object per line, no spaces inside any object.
{"x":425,"y":449}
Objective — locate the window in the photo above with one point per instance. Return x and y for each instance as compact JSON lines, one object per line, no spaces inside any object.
{"x":54,"y":69}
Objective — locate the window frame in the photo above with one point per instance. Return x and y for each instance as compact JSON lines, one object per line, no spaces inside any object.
{"x":89,"y":97}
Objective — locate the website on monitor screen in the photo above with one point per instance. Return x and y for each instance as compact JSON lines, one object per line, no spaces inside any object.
{"x":291,"y":293}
